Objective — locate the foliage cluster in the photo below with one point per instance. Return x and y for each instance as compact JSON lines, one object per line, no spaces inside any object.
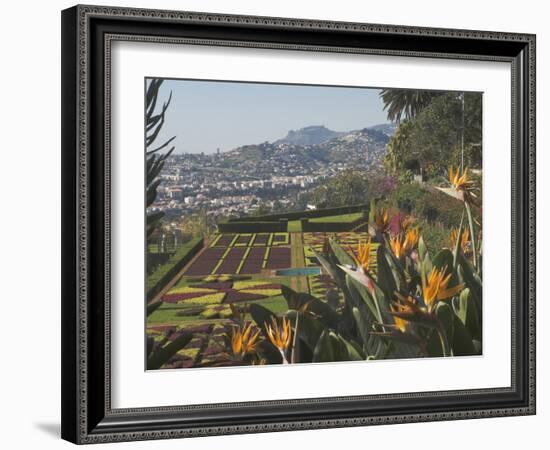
{"x":426,"y":203}
{"x":400,"y":299}
{"x":350,"y":187}
{"x":432,"y":135}
{"x":167,"y":271}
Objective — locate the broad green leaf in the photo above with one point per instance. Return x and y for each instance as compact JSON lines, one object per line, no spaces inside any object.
{"x":446,"y":317}
{"x":152,"y":307}
{"x":341,"y":255}
{"x":422,"y":249}
{"x":467,"y":313}
{"x":309,"y":329}
{"x":462,"y":343}
{"x":162,"y":355}
{"x":261,"y":315}
{"x":385,"y":277}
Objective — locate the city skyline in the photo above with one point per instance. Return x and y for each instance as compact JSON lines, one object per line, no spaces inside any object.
{"x":243,"y":113}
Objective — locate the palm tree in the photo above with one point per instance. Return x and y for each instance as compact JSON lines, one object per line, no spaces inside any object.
{"x":405,"y":103}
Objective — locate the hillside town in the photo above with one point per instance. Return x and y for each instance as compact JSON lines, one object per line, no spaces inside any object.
{"x":268,"y":175}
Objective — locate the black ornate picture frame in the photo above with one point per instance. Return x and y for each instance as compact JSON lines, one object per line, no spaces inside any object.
{"x":87,"y":35}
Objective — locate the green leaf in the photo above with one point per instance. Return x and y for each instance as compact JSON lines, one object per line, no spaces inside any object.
{"x":340,"y":254}
{"x":467,"y":313}
{"x":446,"y":330}
{"x":261,"y":315}
{"x":462,"y":343}
{"x":444,"y":258}
{"x":330,"y":268}
{"x":297,"y":300}
{"x":458,"y":242}
{"x":360,"y":296}
{"x":330,"y":348}
{"x":385,"y":278}
{"x":162,"y":355}
{"x":426,"y":265}
{"x":152,"y":307}
{"x":309,"y":329}
{"x":354,"y":353}
{"x":433,"y":346}
{"x":324,"y":351}
{"x":363,"y":322}
{"x":422,"y":249}
{"x":473,"y":283}
{"x":472,"y":232}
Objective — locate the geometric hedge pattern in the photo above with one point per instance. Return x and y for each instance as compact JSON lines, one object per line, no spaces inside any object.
{"x":223,"y":273}
{"x":245,"y":253}
{"x":222,"y":292}
{"x":207,"y":303}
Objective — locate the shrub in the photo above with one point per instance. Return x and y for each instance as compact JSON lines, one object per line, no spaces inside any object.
{"x":441,"y":208}
{"x":407,"y":196}
{"x":436,"y":237}
{"x":428,"y":204}
{"x":158,"y":279}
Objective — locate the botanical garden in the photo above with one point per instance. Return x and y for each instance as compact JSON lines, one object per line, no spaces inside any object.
{"x":388,"y":265}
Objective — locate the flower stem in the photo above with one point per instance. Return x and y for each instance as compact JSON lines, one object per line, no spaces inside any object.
{"x":472,"y":233}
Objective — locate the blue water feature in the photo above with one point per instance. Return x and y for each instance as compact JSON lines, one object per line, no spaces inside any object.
{"x":299,"y":271}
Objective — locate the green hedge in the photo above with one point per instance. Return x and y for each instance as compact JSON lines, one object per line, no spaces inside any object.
{"x":325,"y":227}
{"x":304,"y":214}
{"x":343,"y":218}
{"x":253,"y":227}
{"x":158,"y":279}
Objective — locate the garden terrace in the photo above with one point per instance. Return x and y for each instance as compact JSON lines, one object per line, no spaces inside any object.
{"x":310,"y":214}
{"x":166,"y":272}
{"x":202,"y":307}
{"x":241,"y":267}
{"x":330,"y":219}
{"x":244,"y":253}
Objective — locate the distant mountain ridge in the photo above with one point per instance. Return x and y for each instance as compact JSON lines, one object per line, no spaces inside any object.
{"x":359,"y":148}
{"x":319,"y":134}
{"x":312,"y":135}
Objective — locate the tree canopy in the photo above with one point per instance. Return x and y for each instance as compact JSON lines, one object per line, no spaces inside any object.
{"x":432,"y":140}
{"x":350,"y":187}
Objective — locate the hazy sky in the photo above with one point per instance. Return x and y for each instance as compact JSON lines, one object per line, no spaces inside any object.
{"x":205,"y":115}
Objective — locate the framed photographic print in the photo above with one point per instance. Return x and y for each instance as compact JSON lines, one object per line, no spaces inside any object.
{"x":281,"y":224}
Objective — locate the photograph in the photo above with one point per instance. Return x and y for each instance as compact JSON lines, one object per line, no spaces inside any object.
{"x":294,"y":223}
{"x":273,"y":222}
